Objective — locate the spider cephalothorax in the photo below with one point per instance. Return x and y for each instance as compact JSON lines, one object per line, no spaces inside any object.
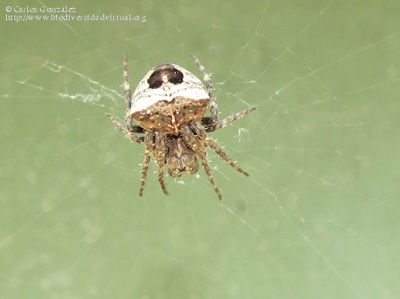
{"x":169,"y":106}
{"x":180,"y":157}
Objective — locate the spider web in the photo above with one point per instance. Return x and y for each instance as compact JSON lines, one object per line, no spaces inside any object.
{"x":317,"y":218}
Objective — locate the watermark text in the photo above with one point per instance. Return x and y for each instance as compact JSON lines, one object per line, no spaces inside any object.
{"x":63,"y":13}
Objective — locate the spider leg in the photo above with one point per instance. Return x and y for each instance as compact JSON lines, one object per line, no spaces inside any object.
{"x":208,"y":125}
{"x":137,"y":129}
{"x":200,"y":150}
{"x":129,"y":134}
{"x":128,"y":100}
{"x":149,"y":142}
{"x":207,"y":79}
{"x":128,"y":128}
{"x":226,"y":121}
{"x":200,"y":131}
{"x":160,"y":158}
{"x":128,"y":95}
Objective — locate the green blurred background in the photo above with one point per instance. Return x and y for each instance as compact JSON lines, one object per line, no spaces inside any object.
{"x":319,"y":216}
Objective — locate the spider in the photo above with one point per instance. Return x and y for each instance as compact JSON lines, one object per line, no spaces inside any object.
{"x":169,"y":105}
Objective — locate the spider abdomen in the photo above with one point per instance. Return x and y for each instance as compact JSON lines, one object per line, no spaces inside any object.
{"x":170,"y":116}
{"x":168,"y":97}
